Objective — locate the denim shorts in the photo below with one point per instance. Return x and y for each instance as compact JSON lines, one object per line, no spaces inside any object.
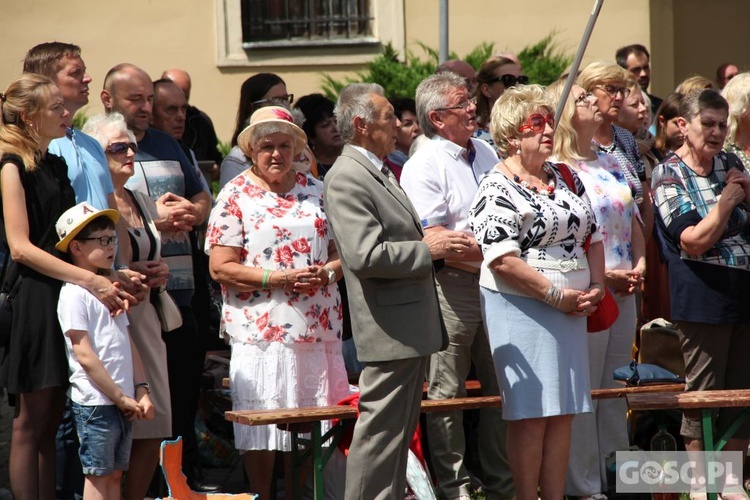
{"x":106,"y":436}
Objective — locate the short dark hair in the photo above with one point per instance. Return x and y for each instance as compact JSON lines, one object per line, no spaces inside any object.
{"x":401,"y":104}
{"x":621,"y":56}
{"x":316,"y":108}
{"x":44,"y":59}
{"x":98,"y":224}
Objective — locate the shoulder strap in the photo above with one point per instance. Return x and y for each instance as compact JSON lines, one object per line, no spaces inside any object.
{"x":567,"y":176}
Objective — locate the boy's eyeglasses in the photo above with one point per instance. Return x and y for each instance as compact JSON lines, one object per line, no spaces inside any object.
{"x":119,"y":148}
{"x":104,"y":241}
{"x":536,"y":123}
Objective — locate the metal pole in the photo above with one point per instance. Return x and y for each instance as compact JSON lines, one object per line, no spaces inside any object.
{"x":443,"y":53}
{"x":579,"y":56}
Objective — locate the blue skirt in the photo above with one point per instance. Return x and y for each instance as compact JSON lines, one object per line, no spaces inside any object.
{"x":540,"y":355}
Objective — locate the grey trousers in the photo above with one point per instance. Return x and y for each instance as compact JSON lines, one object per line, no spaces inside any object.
{"x":389,"y":406}
{"x":458,"y":292}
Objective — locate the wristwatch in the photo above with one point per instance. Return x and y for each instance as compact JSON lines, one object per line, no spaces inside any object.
{"x":331,"y":274}
{"x":145,"y":386}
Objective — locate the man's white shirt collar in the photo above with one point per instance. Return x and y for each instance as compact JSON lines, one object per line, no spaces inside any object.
{"x":370,"y":156}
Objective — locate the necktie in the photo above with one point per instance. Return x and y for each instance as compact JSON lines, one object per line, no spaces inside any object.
{"x":391,"y":177}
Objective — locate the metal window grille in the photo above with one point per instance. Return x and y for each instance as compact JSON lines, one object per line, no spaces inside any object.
{"x":303,"y":20}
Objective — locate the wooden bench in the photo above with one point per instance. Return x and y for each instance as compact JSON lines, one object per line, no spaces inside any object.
{"x":304,"y":420}
{"x":705,"y":401}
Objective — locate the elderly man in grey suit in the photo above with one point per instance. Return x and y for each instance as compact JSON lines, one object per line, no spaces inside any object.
{"x":388,"y":265}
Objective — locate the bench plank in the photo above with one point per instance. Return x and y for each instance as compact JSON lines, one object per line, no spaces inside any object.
{"x":690,"y":400}
{"x":621,"y":392}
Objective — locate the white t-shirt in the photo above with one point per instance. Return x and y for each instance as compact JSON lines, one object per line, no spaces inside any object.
{"x":78,"y":309}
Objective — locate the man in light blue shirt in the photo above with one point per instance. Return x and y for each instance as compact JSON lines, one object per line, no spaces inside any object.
{"x":88,"y":170}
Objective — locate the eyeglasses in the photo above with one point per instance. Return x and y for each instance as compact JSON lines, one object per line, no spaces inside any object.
{"x":612,"y":90}
{"x":584,"y":99}
{"x":287,"y":98}
{"x":465,"y":105}
{"x":536,"y":123}
{"x":104,"y":241}
{"x":511,"y":80}
{"x":119,"y":148}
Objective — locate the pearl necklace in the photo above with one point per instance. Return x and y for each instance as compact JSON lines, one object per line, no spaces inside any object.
{"x":550,"y":189}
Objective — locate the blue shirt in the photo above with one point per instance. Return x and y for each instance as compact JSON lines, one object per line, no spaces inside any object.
{"x":88,"y":169}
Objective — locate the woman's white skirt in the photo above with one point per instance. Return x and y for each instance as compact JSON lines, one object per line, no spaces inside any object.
{"x":276,"y":375}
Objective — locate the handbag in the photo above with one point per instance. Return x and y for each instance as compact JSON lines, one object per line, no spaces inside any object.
{"x":637,"y":374}
{"x":607,"y":310}
{"x":169,"y":314}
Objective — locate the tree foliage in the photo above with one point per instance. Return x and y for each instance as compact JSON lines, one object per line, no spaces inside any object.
{"x":543,"y":62}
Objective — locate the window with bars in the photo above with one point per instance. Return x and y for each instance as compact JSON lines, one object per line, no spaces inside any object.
{"x":317,"y":22}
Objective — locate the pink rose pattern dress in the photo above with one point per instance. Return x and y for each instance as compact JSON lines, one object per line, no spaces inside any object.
{"x":286,"y":346}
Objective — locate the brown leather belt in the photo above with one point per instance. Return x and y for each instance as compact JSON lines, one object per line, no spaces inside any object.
{"x":463,"y":267}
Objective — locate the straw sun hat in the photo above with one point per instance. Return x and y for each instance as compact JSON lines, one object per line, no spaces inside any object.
{"x":267,"y":115}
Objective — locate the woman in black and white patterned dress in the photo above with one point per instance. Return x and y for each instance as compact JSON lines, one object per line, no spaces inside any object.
{"x":537,"y":286}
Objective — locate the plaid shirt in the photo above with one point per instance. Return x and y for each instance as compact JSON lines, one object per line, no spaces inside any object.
{"x":683,"y":198}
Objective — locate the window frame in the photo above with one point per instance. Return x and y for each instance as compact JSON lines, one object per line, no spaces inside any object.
{"x":387,"y":26}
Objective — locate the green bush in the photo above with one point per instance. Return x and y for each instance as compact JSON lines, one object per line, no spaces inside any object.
{"x":543,"y":62}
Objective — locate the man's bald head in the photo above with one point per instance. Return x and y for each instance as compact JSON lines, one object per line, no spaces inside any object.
{"x":181,"y":78}
{"x":129,"y":91}
{"x":460,"y":68}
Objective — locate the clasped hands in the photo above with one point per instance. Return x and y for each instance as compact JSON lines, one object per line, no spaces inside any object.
{"x":178,"y":213}
{"x":581,"y":302}
{"x":305,"y":279}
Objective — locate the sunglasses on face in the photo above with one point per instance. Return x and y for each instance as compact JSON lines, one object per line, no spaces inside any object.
{"x":287,"y":98}
{"x":584,"y":99}
{"x":118,"y":148}
{"x":104,"y":241}
{"x":536,"y":123}
{"x":511,"y":80}
{"x":612,"y":90}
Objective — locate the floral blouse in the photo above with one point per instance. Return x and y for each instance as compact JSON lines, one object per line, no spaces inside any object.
{"x":614,"y":207}
{"x":508,"y":218}
{"x":275,"y":231}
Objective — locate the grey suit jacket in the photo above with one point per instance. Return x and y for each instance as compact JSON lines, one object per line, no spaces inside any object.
{"x":388,"y":269}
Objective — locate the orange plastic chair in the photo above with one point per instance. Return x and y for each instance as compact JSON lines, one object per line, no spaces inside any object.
{"x":171,"y":464}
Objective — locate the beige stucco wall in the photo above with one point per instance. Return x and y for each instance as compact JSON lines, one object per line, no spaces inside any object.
{"x":157,"y":34}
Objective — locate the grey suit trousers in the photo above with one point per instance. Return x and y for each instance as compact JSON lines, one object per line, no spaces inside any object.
{"x":389,"y":406}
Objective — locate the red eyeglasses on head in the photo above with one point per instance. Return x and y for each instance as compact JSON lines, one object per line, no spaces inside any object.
{"x":536,"y":122}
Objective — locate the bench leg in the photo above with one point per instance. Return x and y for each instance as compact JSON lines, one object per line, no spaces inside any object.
{"x":315,"y":444}
{"x":708,"y":445}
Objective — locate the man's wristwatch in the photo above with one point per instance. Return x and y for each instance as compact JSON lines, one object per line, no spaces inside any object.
{"x":331,"y":274}
{"x":145,"y":386}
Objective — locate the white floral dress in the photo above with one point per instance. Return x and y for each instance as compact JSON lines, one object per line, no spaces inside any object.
{"x":286,"y":346}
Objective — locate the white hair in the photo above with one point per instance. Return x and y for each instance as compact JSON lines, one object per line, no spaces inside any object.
{"x":104,"y":125}
{"x":355,"y":101}
{"x":433,"y":93}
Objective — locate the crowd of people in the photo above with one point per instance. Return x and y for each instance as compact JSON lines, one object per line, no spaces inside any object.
{"x":385,"y":240}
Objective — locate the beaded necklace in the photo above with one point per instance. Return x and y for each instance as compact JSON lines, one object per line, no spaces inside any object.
{"x":548,"y":191}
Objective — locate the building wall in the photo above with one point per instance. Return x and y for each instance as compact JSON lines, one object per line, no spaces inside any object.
{"x":155,"y":35}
